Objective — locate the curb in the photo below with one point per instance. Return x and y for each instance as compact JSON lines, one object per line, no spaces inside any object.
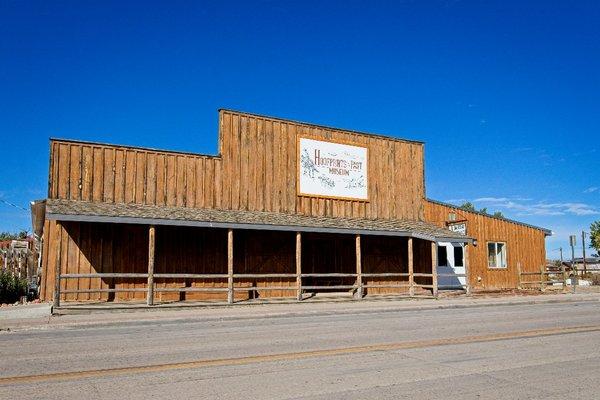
{"x":143,"y":321}
{"x":29,"y":311}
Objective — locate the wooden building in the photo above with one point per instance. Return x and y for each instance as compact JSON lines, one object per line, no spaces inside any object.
{"x":286,"y":209}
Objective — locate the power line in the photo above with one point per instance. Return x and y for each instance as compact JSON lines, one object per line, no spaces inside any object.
{"x":13,"y":205}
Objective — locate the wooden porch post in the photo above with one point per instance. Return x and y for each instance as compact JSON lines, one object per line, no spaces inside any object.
{"x":56,"y":302}
{"x":230,"y":266}
{"x":411,"y":268}
{"x":298,"y":266}
{"x":151,"y":246}
{"x":359,"y":284}
{"x":434,"y":262}
{"x":467,"y":266}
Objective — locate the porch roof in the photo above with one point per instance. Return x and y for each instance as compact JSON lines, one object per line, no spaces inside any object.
{"x":84,"y":211}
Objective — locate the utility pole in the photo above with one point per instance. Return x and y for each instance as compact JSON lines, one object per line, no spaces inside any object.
{"x":583,"y":248}
{"x":561,"y":256}
{"x":572,"y":242}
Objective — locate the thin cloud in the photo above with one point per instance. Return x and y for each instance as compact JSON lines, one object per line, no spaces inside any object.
{"x":572,"y":208}
{"x":491,"y":199}
{"x":591,"y":189}
{"x":500,"y":199}
{"x":522,"y":149}
{"x":524,"y":206}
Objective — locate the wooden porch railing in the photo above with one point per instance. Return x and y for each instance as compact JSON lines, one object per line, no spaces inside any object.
{"x":152,"y":288}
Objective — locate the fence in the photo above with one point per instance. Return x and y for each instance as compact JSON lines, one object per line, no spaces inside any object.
{"x":544,"y":278}
{"x":20,"y":258}
{"x":16,"y":261}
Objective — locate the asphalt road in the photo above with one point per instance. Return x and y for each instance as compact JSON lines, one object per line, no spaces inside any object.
{"x":543,"y":351}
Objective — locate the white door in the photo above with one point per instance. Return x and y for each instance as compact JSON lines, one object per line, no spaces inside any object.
{"x":451,"y":262}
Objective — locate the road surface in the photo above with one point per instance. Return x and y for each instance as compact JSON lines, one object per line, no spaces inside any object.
{"x":542,"y":351}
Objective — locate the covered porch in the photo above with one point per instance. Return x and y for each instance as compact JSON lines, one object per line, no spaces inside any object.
{"x":119,"y":252}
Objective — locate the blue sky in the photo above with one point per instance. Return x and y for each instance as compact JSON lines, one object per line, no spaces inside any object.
{"x":504,"y":94}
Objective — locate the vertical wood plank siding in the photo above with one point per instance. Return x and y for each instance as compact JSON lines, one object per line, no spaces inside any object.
{"x":524,"y":244}
{"x":255,"y":170}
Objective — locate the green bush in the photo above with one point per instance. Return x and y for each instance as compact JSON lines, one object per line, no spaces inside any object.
{"x":11,"y":287}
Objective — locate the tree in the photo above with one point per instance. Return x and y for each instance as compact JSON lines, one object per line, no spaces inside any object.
{"x":12,"y":235}
{"x":595,"y":235}
{"x":468,"y":206}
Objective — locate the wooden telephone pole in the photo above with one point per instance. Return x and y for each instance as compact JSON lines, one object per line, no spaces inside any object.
{"x":574,"y":278}
{"x":583,"y":248}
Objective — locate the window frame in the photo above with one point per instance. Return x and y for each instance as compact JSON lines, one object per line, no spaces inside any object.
{"x":505,"y":249}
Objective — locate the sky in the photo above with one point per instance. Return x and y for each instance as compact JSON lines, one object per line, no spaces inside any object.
{"x":505,"y":94}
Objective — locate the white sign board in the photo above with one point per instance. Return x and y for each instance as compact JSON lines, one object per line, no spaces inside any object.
{"x":459,"y":228}
{"x":328,"y":169}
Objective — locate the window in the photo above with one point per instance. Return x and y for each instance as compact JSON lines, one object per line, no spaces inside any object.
{"x":496,"y":255}
{"x":458,"y":256}
{"x":442,"y":256}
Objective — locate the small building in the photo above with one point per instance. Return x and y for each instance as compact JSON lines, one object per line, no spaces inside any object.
{"x":286,"y":209}
{"x":502,"y":246}
{"x":592,"y":264}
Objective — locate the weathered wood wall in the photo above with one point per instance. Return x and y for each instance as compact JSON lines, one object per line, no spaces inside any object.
{"x":106,"y":248}
{"x":388,"y":254}
{"x":117,"y":174}
{"x":255,"y":170}
{"x":524,"y":245}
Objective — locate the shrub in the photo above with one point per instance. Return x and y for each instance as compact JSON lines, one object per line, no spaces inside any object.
{"x":11,"y":287}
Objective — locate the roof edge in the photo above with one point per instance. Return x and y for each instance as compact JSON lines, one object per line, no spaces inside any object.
{"x":78,"y":210}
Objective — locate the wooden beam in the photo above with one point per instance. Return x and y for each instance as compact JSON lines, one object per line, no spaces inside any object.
{"x":56,"y":302}
{"x":466,"y":248}
{"x":230,"y":266}
{"x":151,"y":247}
{"x":298,"y":266}
{"x":411,"y":268}
{"x":359,"y":285}
{"x":434,"y":262}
